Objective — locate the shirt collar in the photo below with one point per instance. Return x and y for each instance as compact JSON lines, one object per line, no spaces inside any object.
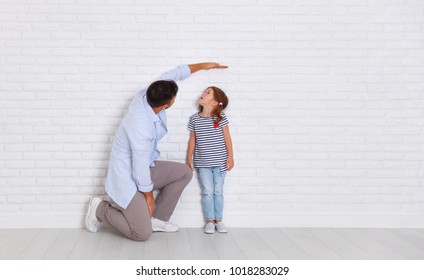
{"x":152,"y":115}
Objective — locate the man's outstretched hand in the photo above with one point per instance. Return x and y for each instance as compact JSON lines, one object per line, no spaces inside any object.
{"x":214,"y":65}
{"x":205,"y":66}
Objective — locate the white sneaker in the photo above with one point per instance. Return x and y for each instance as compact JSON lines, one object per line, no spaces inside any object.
{"x":159,"y":225}
{"x":91,"y":222}
{"x":220,"y":227}
{"x":209,"y":228}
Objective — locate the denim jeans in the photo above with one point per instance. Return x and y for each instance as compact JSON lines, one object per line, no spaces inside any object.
{"x":212,"y":182}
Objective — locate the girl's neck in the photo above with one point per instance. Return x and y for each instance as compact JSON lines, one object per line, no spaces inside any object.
{"x":206,"y":112}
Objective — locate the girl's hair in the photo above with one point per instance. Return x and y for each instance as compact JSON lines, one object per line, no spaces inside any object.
{"x":222,"y":99}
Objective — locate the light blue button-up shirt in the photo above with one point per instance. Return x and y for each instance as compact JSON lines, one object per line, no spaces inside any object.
{"x":134,"y":148}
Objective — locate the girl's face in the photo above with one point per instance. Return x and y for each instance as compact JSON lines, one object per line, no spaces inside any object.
{"x":207,"y":98}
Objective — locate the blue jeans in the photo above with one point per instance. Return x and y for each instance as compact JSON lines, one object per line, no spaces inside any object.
{"x":212,"y":182}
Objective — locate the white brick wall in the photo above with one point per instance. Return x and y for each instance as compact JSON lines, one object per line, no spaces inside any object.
{"x":326,"y":105}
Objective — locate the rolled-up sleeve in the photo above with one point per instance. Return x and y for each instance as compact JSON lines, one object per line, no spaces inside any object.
{"x":179,"y":73}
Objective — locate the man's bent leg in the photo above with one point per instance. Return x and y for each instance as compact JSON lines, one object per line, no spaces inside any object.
{"x":170,"y":178}
{"x":133,"y":222}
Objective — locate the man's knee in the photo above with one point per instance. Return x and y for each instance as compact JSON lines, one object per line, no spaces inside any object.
{"x":184,"y":172}
{"x":141,"y":235}
{"x":188,"y":173}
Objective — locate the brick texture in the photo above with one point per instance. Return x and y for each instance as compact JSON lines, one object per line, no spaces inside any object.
{"x":326,"y":105}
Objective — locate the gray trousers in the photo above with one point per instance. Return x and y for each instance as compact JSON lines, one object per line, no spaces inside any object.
{"x":170,"y":178}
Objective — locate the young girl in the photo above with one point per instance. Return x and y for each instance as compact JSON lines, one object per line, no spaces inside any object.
{"x":210,"y":143}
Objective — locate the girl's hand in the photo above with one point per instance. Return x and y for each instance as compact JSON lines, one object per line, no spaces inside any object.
{"x":230,"y":163}
{"x":190,"y":164}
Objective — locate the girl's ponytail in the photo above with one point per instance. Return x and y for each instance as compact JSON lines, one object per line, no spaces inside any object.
{"x":222,"y":99}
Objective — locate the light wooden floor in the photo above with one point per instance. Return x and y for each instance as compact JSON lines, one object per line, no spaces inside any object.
{"x":239,"y":243}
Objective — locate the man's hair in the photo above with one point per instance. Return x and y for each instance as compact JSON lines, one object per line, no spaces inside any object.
{"x":161,"y":92}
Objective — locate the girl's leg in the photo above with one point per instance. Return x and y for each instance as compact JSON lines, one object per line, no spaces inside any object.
{"x":207,"y":186}
{"x":218,"y":195}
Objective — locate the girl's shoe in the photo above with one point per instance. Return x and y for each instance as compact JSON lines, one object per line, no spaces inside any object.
{"x":209,"y":228}
{"x":220,"y":227}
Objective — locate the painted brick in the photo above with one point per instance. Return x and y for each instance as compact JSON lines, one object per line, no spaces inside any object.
{"x":326,"y":101}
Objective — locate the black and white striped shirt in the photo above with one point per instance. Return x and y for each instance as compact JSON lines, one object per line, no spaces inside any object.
{"x":210,"y":149}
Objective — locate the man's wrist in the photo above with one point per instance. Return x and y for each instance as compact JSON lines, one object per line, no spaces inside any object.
{"x":148,"y":195}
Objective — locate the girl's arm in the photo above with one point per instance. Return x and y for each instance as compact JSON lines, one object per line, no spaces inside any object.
{"x":229,"y":145}
{"x":190,"y":149}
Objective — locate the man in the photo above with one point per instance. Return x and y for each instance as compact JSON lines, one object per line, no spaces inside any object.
{"x":134,"y":169}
